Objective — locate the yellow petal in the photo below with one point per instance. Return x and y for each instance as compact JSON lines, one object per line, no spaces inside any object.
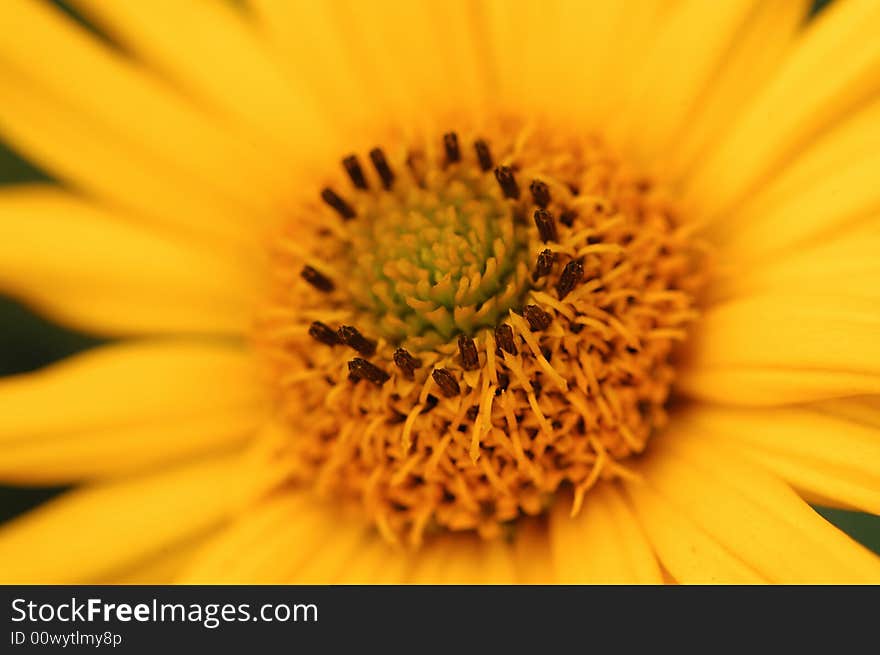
{"x":798,"y":335}
{"x":101,"y":271}
{"x":828,"y":206}
{"x":462,"y":559}
{"x":210,"y":50}
{"x":846,"y":264}
{"x":532,"y":553}
{"x":686,"y":550}
{"x":162,"y":568}
{"x":854,"y":139}
{"x":268,"y":540}
{"x":759,"y":386}
{"x":296,"y":538}
{"x":688,"y":51}
{"x":829,"y":78}
{"x":825,"y":457}
{"x":754,"y":55}
{"x":280,"y":24}
{"x":101,"y":122}
{"x":603,"y":544}
{"x":861,"y":409}
{"x":747,"y":512}
{"x":119,"y":408}
{"x":91,"y":533}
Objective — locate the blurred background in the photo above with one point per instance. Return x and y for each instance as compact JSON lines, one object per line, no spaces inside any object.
{"x":28,"y":342}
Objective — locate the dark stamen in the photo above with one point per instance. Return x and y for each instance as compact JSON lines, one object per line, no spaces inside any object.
{"x":567,"y":217}
{"x":538,"y":319}
{"x":450,"y":143}
{"x":406,"y":363}
{"x":323,"y":333}
{"x":355,"y":172}
{"x":430,"y":403}
{"x":446,"y":381}
{"x":504,"y":338}
{"x":546,"y":259}
{"x":571,"y":276}
{"x":317,"y":279}
{"x":546,"y":225}
{"x":353,"y":339}
{"x":504,"y":175}
{"x":415,"y":162}
{"x":483,"y":154}
{"x":473,"y":412}
{"x":470,"y":360}
{"x":382,"y":168}
{"x":362,"y":369}
{"x":540,"y":193}
{"x":345,"y":210}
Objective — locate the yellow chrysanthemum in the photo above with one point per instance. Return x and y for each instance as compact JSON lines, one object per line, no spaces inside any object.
{"x":461,"y":291}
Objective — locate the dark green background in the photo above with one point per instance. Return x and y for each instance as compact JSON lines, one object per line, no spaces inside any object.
{"x":28,"y":342}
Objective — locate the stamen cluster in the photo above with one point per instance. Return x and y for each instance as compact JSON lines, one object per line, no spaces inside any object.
{"x":472,"y":323}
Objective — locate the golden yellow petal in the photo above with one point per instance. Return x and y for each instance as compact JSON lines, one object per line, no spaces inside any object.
{"x":861,"y":409}
{"x":844,"y":198}
{"x":822,"y":456}
{"x":462,"y":559}
{"x":318,"y":58}
{"x":211,"y":50}
{"x":688,"y":552}
{"x":845,"y":264}
{"x":603,"y":544}
{"x":120,"y":408}
{"x":96,"y":119}
{"x":690,"y":47}
{"x":749,"y":513}
{"x":754,"y":54}
{"x":762,"y":386}
{"x":854,"y":139}
{"x":100,"y":270}
{"x":92,"y":533}
{"x":789,"y":345}
{"x":824,"y":79}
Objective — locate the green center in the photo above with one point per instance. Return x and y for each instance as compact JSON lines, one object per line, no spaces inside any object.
{"x":436,"y":261}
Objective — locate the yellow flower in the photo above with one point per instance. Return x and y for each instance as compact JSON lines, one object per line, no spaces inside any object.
{"x":592,"y":296}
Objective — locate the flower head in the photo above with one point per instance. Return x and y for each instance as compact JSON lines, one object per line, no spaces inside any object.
{"x":445,"y":292}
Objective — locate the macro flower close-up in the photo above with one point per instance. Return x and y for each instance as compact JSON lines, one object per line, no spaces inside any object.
{"x":460,"y":291}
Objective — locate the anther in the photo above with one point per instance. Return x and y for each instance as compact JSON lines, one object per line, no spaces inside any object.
{"x":567,"y":217}
{"x":382,"y":168}
{"x":538,"y":319}
{"x":362,"y":369}
{"x":406,"y":363}
{"x":342,"y":208}
{"x":483,"y":154}
{"x":546,"y":225}
{"x":546,"y":259}
{"x":504,"y":175}
{"x":355,"y":172}
{"x":353,"y":339}
{"x":317,"y":279}
{"x":446,"y":381}
{"x":504,"y":339}
{"x":450,"y":143}
{"x":540,"y":193}
{"x":323,"y":333}
{"x":571,"y":276}
{"x":470,"y":360}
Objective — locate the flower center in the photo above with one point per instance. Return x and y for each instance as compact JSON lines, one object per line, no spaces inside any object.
{"x":437,"y":254}
{"x":465,"y":325}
